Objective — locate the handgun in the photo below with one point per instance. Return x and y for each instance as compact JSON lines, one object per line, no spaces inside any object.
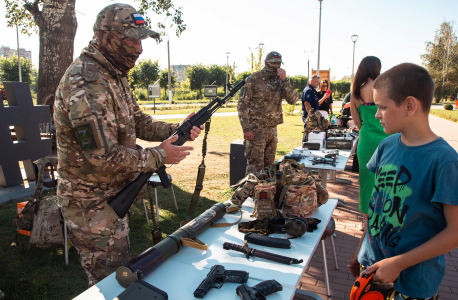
{"x":217,"y":276}
{"x":259,"y":291}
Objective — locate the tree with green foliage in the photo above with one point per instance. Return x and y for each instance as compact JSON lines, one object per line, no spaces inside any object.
{"x":198,"y":76}
{"x":299,"y":82}
{"x":9,"y":70}
{"x":441,"y":60}
{"x":164,"y":81}
{"x":55,"y":22}
{"x":255,"y":59}
{"x":145,"y":72}
{"x":242,"y":76}
{"x":231,"y":72}
{"x":340,"y":87}
{"x":218,"y":74}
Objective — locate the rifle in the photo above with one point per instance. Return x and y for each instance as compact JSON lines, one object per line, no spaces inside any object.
{"x":124,"y":199}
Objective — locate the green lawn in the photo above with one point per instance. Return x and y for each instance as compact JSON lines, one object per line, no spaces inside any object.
{"x":42,"y":274}
{"x":451,"y":115}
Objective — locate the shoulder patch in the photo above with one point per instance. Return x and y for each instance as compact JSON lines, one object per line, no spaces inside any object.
{"x":85,"y":137}
{"x":89,"y":71}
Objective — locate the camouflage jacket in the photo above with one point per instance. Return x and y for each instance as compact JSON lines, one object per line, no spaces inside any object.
{"x":261,"y":100}
{"x":97,"y":122}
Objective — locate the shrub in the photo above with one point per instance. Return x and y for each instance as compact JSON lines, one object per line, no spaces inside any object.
{"x":288,"y":109}
{"x":448,"y":107}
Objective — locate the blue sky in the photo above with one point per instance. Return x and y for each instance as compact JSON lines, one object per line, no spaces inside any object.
{"x":394,"y":31}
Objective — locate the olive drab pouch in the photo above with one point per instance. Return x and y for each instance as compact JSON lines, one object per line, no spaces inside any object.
{"x":300,"y":200}
{"x":264,"y":201}
{"x":245,"y":189}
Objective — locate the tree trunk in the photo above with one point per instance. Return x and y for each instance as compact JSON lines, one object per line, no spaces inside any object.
{"x":57,"y":28}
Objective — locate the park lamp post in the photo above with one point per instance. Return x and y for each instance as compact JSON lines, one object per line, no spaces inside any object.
{"x":18,"y":53}
{"x":354,"y":38}
{"x":227,"y":70}
{"x":227,"y":73}
{"x":251,"y":51}
{"x":319,"y":42}
{"x":261,"y":45}
{"x":169,"y":75}
{"x":308,"y":64}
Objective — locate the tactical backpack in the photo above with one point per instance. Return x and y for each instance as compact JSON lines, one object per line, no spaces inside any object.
{"x":42,"y":216}
{"x":264,"y":201}
{"x":315,"y":121}
{"x":300,"y":200}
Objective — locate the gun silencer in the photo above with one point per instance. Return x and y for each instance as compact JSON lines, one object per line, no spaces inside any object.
{"x":148,"y":261}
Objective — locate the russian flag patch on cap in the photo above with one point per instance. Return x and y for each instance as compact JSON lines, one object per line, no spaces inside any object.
{"x":138,"y":19}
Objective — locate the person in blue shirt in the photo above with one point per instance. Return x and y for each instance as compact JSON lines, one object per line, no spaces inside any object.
{"x":309,"y":100}
{"x":414,"y":204}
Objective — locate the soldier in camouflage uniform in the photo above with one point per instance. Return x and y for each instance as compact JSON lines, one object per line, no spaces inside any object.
{"x":97,"y":122}
{"x":260,"y":111}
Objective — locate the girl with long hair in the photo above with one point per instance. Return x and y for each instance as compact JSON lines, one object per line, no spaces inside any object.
{"x":363,"y":110}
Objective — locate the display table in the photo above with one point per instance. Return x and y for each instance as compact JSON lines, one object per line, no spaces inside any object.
{"x":182,"y":273}
{"x":326,"y":169}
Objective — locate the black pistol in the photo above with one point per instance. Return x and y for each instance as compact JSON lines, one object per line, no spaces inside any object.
{"x":259,"y":291}
{"x":124,"y":199}
{"x":217,"y":276}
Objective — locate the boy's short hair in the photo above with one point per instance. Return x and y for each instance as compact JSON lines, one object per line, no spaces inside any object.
{"x":406,"y":80}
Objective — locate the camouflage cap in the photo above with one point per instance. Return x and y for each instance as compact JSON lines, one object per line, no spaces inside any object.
{"x":274,"y":56}
{"x":124,"y":19}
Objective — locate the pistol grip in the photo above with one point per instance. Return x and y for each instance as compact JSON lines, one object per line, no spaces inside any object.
{"x":164,"y":177}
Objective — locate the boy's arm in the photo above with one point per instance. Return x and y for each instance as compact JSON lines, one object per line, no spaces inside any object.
{"x":447,"y":240}
{"x":353,"y":265}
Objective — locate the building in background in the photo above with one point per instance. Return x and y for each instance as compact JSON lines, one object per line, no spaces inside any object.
{"x":8,"y":52}
{"x":180,"y":72}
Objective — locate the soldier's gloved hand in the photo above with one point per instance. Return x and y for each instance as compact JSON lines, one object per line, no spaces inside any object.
{"x":248,"y":135}
{"x":281,"y":73}
{"x":194,"y":131}
{"x":175,"y":154}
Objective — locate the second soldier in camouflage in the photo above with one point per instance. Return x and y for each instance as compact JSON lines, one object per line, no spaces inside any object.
{"x":260,"y":111}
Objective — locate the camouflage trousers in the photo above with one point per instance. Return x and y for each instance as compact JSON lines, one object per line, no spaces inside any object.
{"x":101,"y":238}
{"x":260,"y":152}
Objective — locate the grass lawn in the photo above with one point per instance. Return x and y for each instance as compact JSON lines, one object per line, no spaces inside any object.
{"x":451,"y":115}
{"x":42,"y":273}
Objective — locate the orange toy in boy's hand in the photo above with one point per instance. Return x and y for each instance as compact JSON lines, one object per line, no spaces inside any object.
{"x":366,"y":289}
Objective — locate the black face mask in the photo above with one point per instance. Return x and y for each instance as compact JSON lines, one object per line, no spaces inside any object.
{"x":271,"y":69}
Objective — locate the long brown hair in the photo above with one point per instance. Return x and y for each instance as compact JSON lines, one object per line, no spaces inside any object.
{"x":368,"y":68}
{"x":323,"y":82}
